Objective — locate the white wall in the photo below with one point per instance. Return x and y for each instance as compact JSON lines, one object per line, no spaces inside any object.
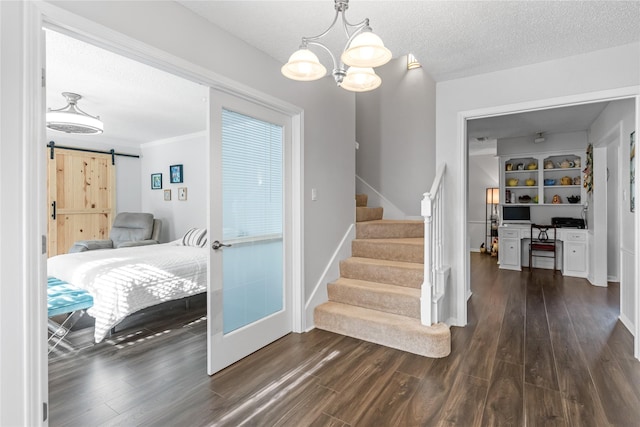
{"x":620,"y":116}
{"x":395,"y":127}
{"x":177,"y":216}
{"x":127,"y":169}
{"x":167,"y":29}
{"x":596,"y":71}
{"x":483,"y":173}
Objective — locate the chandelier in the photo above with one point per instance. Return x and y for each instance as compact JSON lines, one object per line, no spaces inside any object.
{"x":71,"y":119}
{"x":363,"y":51}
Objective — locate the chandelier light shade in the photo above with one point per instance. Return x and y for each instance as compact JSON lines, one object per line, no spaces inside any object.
{"x":360,"y":79}
{"x":366,"y":50}
{"x":72,"y":119}
{"x":363,"y":51}
{"x":304,"y":66}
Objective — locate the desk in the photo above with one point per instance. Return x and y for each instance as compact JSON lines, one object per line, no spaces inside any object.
{"x":573,"y":248}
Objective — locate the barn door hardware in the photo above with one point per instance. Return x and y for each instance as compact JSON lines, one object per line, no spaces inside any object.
{"x":52,"y":145}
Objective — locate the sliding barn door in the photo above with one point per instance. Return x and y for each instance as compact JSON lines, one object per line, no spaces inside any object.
{"x":81,"y":188}
{"x":249,"y":298}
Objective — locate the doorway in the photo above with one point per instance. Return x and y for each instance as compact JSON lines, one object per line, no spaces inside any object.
{"x":623,"y":110}
{"x":292,"y":205}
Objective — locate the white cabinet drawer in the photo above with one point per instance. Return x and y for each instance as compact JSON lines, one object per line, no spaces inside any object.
{"x":510,"y":233}
{"x":575,"y":236}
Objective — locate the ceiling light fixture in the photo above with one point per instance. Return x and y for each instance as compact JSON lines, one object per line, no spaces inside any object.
{"x":412,"y":62}
{"x":364,"y":51}
{"x":539,"y":138}
{"x":72,"y":119}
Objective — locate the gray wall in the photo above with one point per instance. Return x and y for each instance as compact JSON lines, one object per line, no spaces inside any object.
{"x":395,"y":127}
{"x":177,"y":216}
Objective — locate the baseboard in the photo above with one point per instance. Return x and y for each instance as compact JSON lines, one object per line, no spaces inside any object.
{"x":331,"y":272}
{"x":391,"y":211}
{"x":453,"y":321}
{"x":627,"y":324}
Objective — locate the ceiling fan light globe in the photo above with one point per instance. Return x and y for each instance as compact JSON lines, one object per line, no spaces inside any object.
{"x":366,"y":50}
{"x":303,"y":65}
{"x":70,"y":122}
{"x":361,"y":79}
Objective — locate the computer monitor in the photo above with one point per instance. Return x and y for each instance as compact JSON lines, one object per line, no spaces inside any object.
{"x":516,"y":214}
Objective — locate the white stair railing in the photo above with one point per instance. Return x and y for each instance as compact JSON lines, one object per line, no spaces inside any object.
{"x":435,"y":273}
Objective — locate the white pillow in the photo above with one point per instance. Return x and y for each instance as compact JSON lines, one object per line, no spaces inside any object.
{"x":195,"y":237}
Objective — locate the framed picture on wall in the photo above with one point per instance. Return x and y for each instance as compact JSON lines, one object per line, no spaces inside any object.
{"x":167,"y":195}
{"x":182,"y":193}
{"x":175,"y":174}
{"x":156,"y":181}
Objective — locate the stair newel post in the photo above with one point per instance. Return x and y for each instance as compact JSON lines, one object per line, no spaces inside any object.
{"x":435,"y":273}
{"x":427,"y":284}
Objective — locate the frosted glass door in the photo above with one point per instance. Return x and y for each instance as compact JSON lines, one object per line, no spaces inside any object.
{"x":249,"y":295}
{"x":251,"y":219}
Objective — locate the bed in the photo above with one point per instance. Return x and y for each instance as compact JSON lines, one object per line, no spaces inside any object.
{"x":123,"y":281}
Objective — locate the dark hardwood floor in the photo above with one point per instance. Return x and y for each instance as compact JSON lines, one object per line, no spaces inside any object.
{"x":539,"y":350}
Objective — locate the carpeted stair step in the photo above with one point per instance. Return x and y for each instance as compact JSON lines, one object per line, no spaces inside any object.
{"x":361,"y":200}
{"x":368,"y":214}
{"x":376,"y":296}
{"x":391,"y":330}
{"x":399,"y":273}
{"x":389,"y":229}
{"x":408,"y":250}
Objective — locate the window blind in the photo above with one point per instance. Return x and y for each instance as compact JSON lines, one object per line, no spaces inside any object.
{"x":251,"y":176}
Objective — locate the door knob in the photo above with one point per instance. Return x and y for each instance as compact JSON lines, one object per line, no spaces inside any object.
{"x":217,"y":245}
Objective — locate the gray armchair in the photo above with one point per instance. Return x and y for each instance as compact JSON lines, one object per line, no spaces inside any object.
{"x":129,"y":229}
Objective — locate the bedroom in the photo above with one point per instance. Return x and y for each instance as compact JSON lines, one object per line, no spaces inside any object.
{"x":152,"y":119}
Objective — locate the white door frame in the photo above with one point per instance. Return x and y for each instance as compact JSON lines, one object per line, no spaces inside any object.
{"x":37,"y":15}
{"x":613,"y":136}
{"x":464,"y":283}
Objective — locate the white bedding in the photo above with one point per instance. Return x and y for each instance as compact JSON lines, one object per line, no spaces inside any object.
{"x":123,"y":281}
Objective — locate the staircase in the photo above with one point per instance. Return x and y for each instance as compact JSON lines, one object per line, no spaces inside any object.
{"x":377,"y":297}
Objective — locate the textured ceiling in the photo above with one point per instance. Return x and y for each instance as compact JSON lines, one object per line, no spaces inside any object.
{"x":450,"y":38}
{"x":139,"y":103}
{"x":136,"y":102}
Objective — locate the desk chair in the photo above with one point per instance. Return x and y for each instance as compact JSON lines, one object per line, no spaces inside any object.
{"x":543,"y":241}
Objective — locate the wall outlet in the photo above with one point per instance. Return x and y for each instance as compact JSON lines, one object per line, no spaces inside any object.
{"x":314,"y":194}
